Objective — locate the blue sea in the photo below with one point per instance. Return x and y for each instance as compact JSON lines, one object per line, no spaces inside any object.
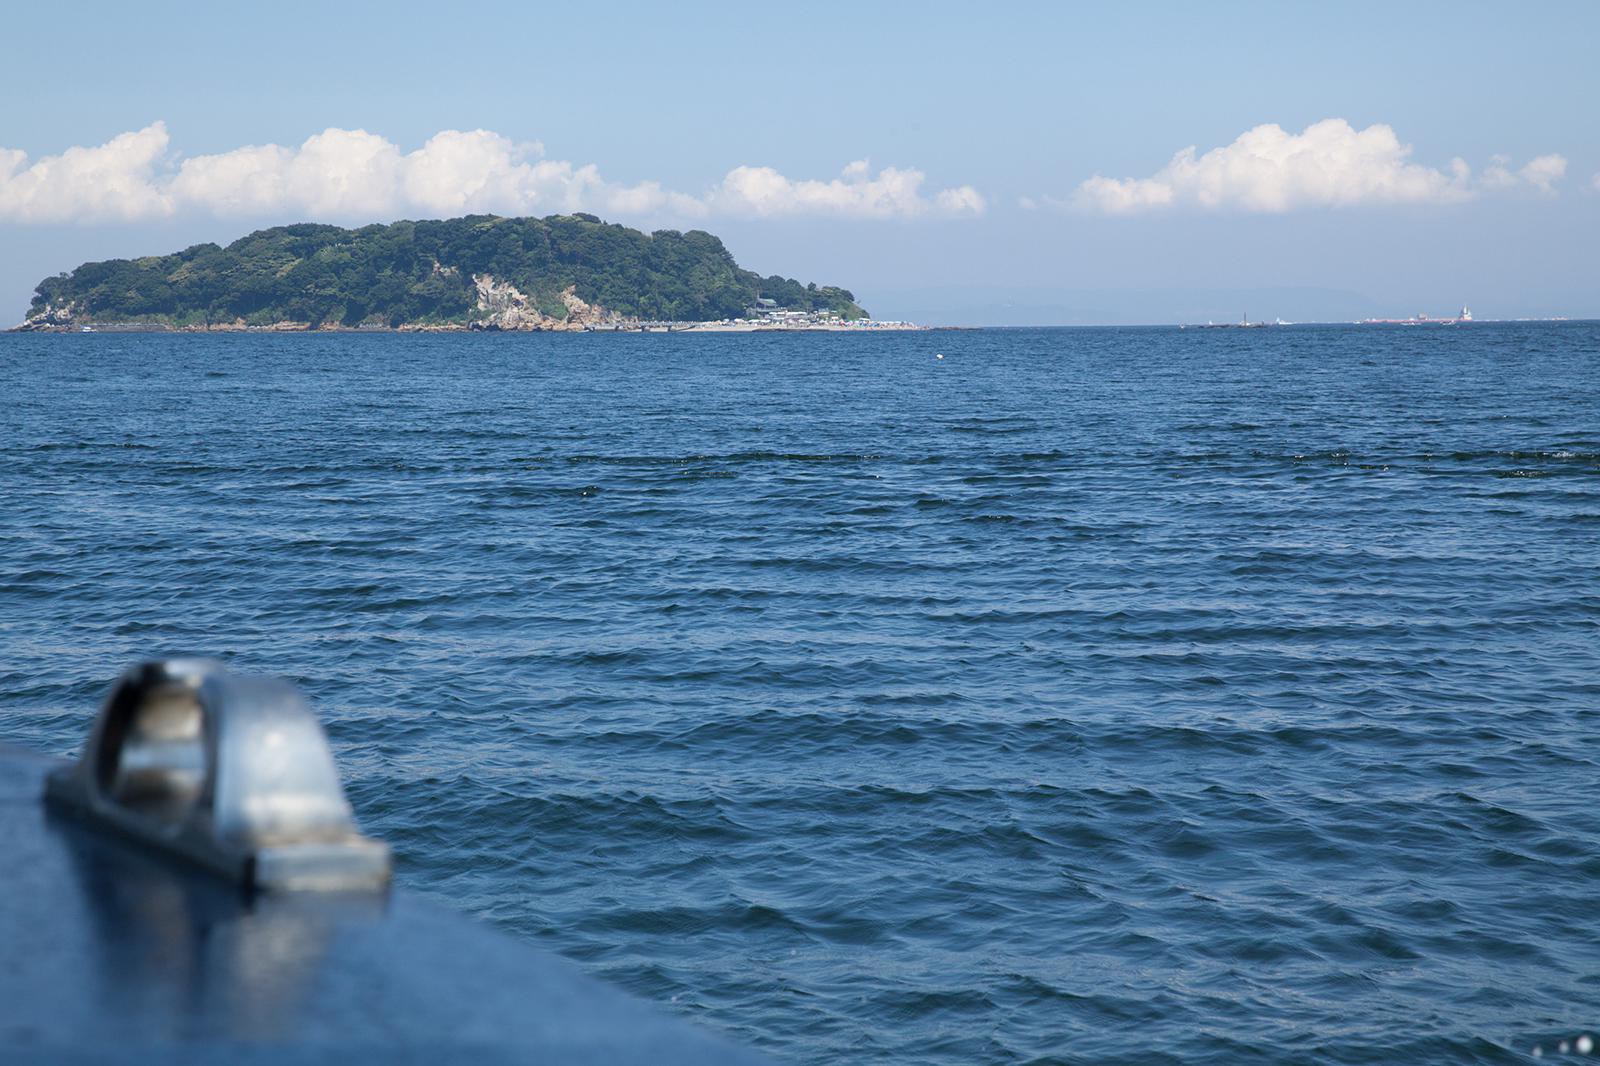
{"x":1084,"y":696}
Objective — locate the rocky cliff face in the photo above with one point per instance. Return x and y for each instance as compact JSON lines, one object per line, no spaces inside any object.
{"x":50,"y":317}
{"x":582,"y":315}
{"x":502,"y":306}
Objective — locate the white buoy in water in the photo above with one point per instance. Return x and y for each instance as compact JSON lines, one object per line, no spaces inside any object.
{"x":938,"y":355}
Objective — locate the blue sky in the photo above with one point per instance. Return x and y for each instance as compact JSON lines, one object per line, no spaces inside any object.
{"x":969,"y":132}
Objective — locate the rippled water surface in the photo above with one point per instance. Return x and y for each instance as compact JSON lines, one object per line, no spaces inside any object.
{"x":1084,"y":696}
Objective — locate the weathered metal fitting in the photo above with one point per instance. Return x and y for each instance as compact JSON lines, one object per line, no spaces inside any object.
{"x":229,"y":771}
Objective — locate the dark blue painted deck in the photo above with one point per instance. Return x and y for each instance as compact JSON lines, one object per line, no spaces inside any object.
{"x":111,"y":954}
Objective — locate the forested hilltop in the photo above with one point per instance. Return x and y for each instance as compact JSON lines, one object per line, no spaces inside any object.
{"x":482,"y":271}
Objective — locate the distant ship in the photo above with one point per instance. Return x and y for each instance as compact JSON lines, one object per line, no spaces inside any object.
{"x":1420,"y":320}
{"x":1243,"y":323}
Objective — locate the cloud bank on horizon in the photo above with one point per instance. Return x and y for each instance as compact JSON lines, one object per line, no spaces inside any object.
{"x":1329,"y":164}
{"x":353,"y":174}
{"x":342,"y":175}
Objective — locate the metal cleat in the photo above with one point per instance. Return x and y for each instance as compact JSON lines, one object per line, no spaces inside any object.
{"x":228,"y":771}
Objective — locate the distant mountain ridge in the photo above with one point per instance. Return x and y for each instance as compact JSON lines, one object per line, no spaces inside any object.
{"x":564,"y":272}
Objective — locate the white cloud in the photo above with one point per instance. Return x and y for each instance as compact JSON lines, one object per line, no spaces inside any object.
{"x":1539,"y":174}
{"x":1544,"y":171}
{"x":116,"y":180}
{"x":856,"y":193}
{"x":355,"y":175}
{"x":1329,"y":164}
{"x":964,"y":200}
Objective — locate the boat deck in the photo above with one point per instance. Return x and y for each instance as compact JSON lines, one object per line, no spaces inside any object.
{"x":113,"y":954}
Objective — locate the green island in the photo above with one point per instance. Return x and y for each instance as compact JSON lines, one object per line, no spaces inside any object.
{"x":564,"y":272}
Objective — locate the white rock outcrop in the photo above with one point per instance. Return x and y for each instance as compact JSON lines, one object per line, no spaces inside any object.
{"x":502,"y":306}
{"x":50,"y":317}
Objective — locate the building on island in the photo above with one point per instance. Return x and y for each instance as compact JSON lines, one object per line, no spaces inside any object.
{"x":767,"y":312}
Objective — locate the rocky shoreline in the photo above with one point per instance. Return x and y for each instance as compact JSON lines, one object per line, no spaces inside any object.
{"x":452,"y":327}
{"x":501,"y":308}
